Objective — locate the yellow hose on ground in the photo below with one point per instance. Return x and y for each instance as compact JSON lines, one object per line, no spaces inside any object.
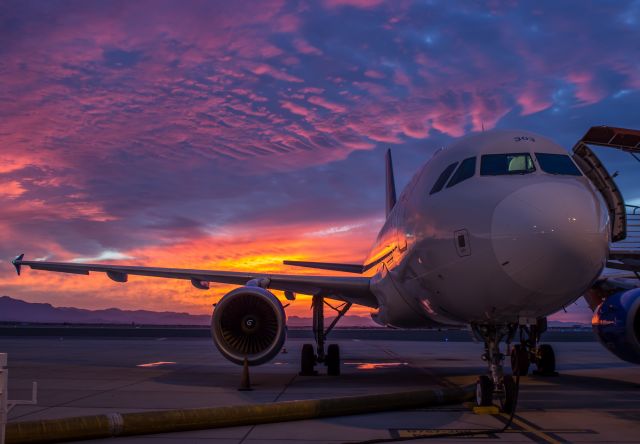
{"x":166,"y":421}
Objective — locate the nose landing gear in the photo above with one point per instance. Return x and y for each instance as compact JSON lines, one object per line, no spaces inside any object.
{"x":496,"y":385}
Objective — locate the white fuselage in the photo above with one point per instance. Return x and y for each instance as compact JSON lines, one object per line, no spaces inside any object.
{"x":493,"y":249}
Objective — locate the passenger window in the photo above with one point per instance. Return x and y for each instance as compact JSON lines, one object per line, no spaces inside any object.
{"x":503,"y":164}
{"x":443,"y":178}
{"x":465,"y":171}
{"x":557,"y":164}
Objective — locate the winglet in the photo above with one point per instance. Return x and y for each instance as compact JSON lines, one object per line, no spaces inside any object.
{"x":17,"y":262}
{"x":391,"y":184}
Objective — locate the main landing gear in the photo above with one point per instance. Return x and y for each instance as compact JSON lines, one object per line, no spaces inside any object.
{"x":529,"y":351}
{"x":331,"y":358}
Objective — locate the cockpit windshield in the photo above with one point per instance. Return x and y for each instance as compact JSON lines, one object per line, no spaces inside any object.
{"x":557,"y":164}
{"x":503,"y":164}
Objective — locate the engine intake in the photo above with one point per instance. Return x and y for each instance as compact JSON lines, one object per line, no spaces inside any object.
{"x":249,"y":322}
{"x":616,"y":323}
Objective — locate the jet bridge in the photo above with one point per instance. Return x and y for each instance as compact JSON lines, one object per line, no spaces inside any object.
{"x":625,"y":219}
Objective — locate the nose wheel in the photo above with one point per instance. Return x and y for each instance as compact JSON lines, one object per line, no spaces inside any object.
{"x":496,"y":386}
{"x":484,"y":391}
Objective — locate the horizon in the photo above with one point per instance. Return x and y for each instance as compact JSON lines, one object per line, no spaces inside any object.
{"x":351,"y":319}
{"x":201,"y":136}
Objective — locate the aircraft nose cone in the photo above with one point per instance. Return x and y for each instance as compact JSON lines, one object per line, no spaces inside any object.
{"x":551,"y":238}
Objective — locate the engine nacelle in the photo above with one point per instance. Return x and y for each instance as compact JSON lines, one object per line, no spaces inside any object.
{"x":616,"y":323}
{"x":249,"y":322}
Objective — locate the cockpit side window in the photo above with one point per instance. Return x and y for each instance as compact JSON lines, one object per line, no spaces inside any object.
{"x":443,"y":178}
{"x":465,"y":171}
{"x":504,"y":164}
{"x":557,"y":164}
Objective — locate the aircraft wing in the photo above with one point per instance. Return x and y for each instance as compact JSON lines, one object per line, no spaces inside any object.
{"x":349,"y":289}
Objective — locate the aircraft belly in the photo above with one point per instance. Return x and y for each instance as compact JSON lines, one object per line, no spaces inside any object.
{"x":396,"y":306}
{"x":475,"y":288}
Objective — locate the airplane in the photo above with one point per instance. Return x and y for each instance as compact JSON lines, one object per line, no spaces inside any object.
{"x":493,"y":234}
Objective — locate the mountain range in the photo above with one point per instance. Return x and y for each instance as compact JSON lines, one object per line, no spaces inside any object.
{"x":18,"y":311}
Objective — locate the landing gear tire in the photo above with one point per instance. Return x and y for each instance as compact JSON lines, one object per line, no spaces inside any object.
{"x":307,"y":361}
{"x":333,"y":360}
{"x":484,"y":391}
{"x":508,"y":398}
{"x":546,"y":360}
{"x":520,"y":360}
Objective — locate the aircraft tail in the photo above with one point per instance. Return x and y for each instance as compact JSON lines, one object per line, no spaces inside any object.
{"x":391,"y":184}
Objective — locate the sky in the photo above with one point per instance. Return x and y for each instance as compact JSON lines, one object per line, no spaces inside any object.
{"x":233,"y":135}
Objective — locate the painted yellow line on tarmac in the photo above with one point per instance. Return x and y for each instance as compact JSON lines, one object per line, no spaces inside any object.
{"x":486,"y":410}
{"x":535,"y":431}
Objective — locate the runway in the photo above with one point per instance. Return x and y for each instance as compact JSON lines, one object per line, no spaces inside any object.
{"x":596,"y":397}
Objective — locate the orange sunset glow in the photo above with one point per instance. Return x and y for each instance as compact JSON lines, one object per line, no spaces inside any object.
{"x":240,"y":249}
{"x":235,"y":135}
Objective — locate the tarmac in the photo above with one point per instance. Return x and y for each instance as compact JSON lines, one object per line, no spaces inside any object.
{"x":595,"y":398}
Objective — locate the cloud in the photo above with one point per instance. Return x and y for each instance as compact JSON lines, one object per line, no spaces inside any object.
{"x":364,"y":4}
{"x":139,"y":127}
{"x":11,"y":189}
{"x":104,"y":256}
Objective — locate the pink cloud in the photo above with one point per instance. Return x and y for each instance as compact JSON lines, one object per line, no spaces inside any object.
{"x":334,"y":107}
{"x":586,"y":88}
{"x":296,"y":109}
{"x":373,"y":74}
{"x":532,"y":100}
{"x":304,"y":47}
{"x":363,"y":4}
{"x":11,"y":189}
{"x":275,"y":73}
{"x":416,"y":130}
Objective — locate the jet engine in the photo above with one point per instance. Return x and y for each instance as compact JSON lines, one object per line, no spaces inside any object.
{"x":249,"y":322}
{"x":616,"y":323}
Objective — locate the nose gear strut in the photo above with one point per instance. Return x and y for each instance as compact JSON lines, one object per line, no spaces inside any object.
{"x":495,"y":385}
